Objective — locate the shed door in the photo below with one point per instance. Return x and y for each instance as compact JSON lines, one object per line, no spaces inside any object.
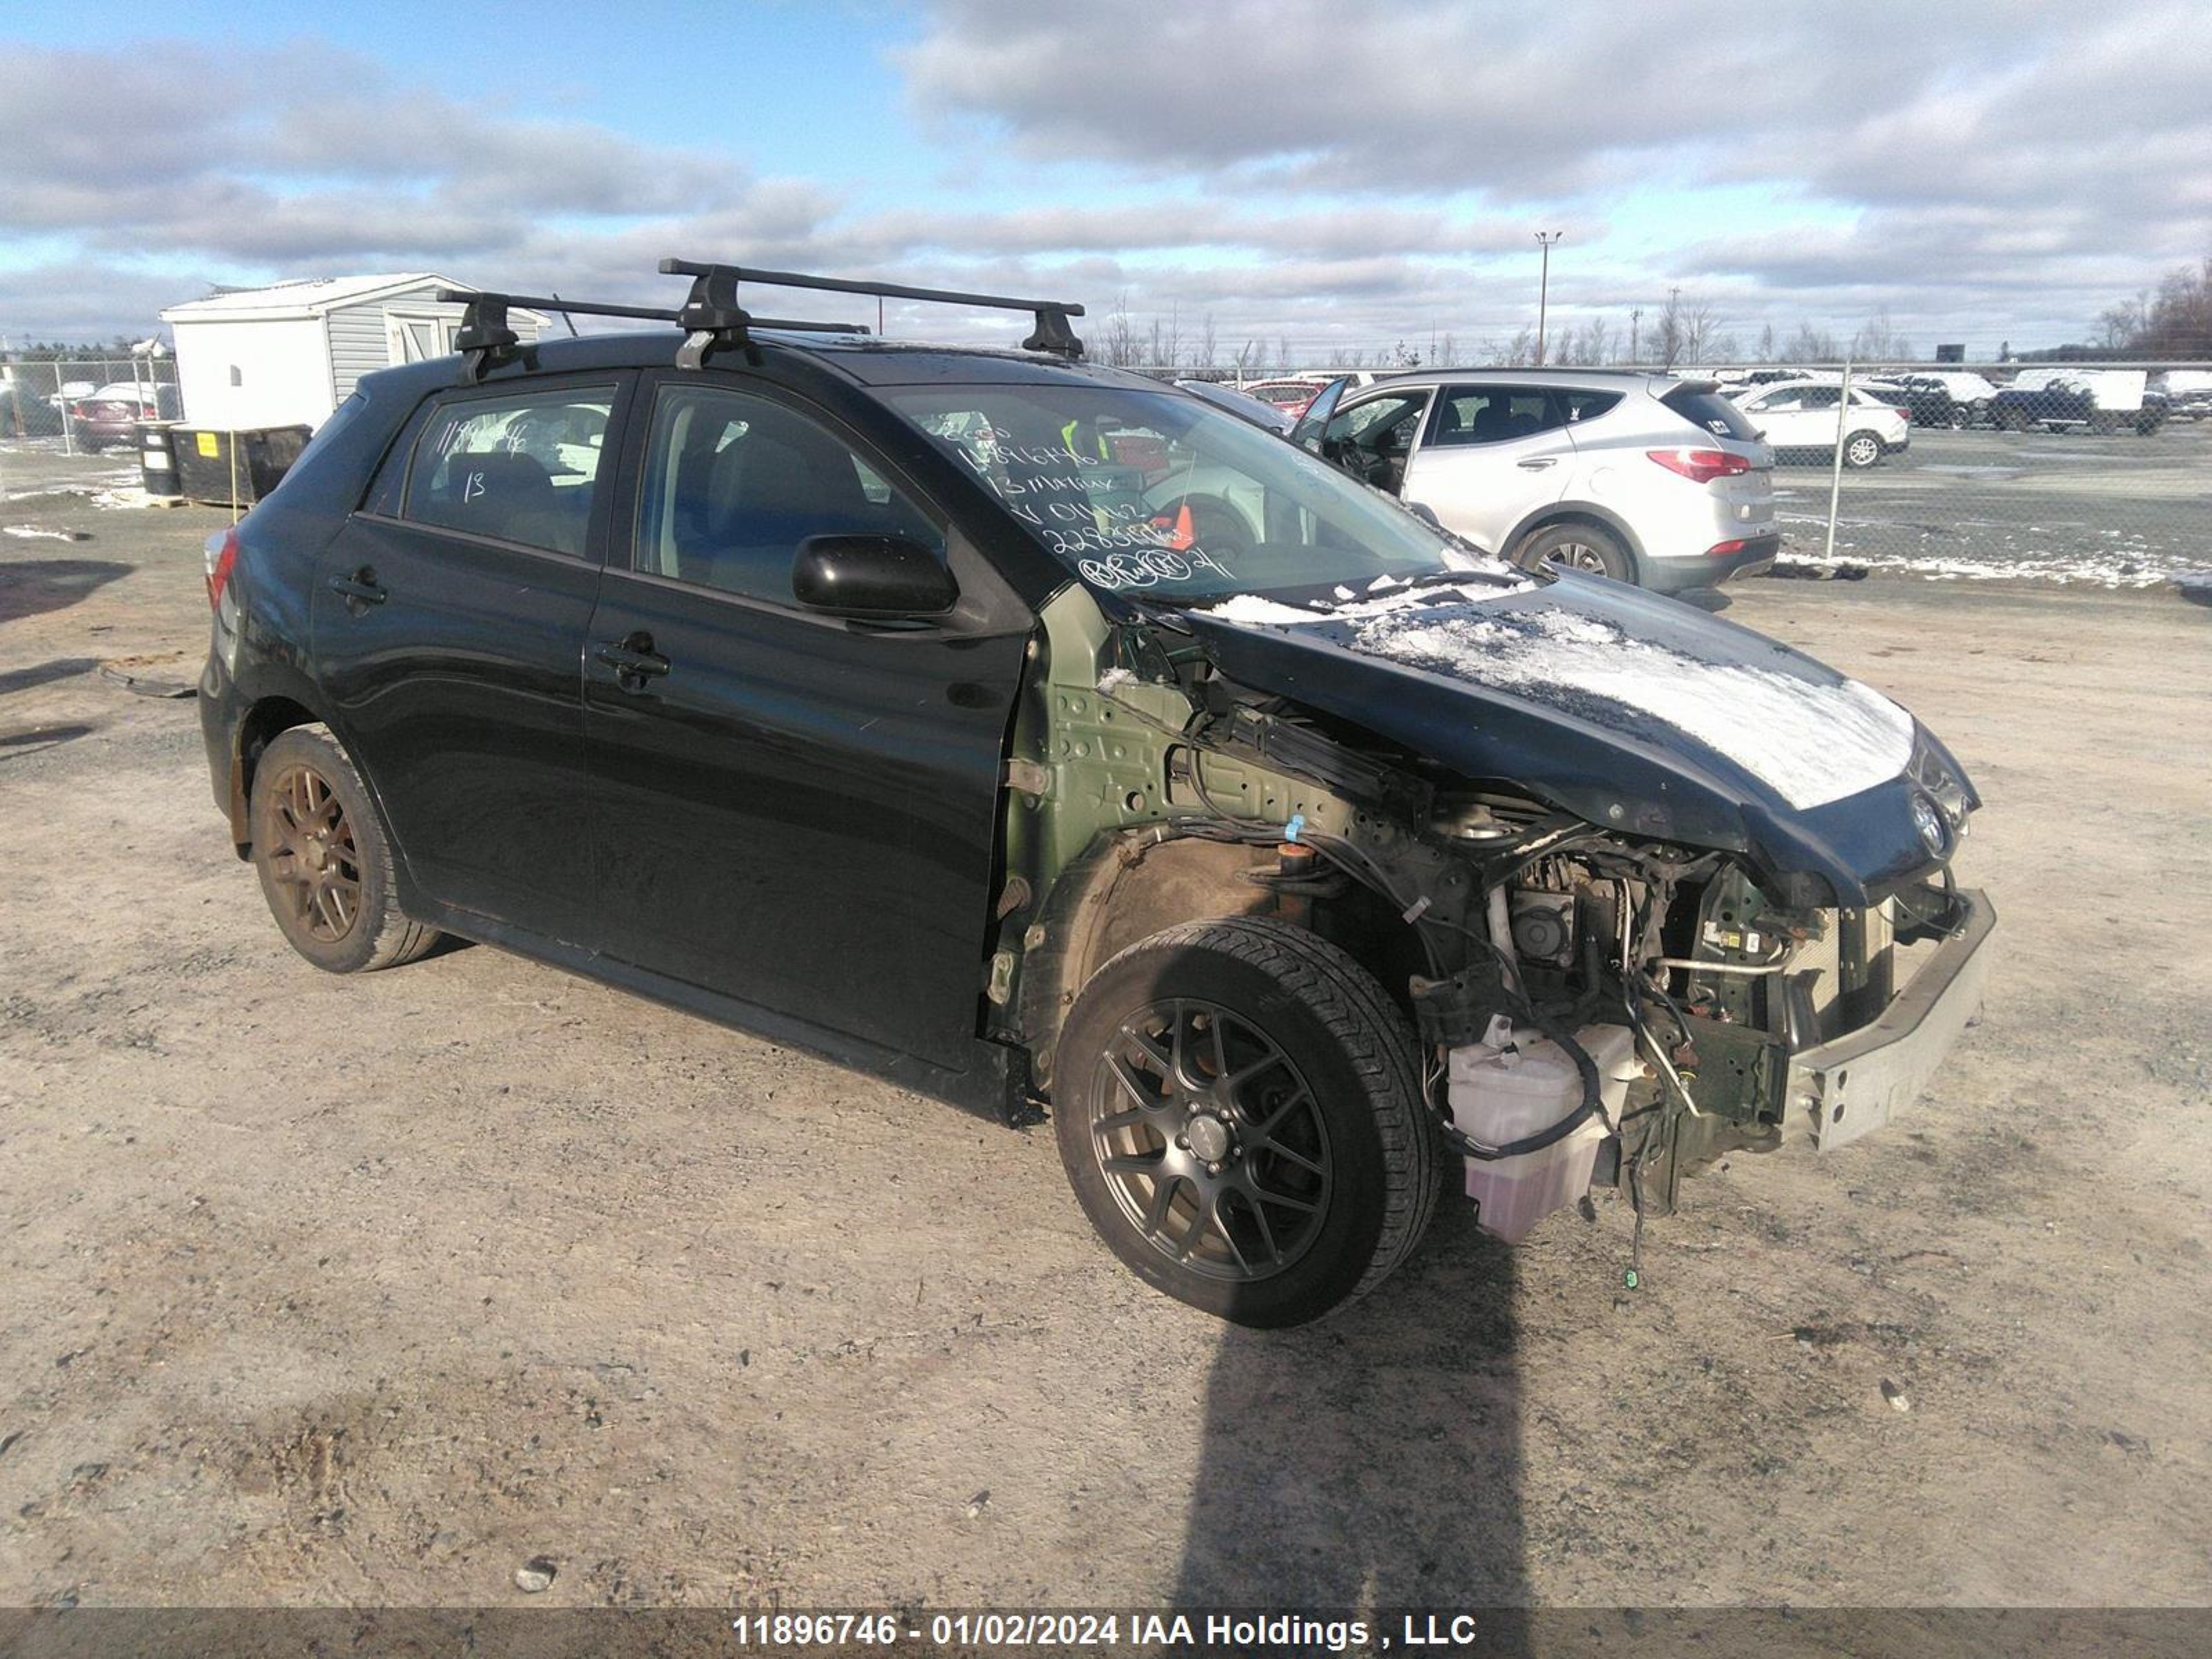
{"x":412,"y":337}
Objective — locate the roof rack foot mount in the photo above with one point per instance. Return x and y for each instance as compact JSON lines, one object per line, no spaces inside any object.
{"x":485,"y":339}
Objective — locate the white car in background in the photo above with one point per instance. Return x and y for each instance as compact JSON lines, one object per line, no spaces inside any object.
{"x":1641,"y":478}
{"x":1809,"y":420}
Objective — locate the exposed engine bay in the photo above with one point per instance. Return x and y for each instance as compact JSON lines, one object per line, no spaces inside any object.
{"x":1594,"y":1005}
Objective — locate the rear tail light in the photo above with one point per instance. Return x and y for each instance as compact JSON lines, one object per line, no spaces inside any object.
{"x":1721,"y":549}
{"x":221,"y":556}
{"x":1701,"y":466}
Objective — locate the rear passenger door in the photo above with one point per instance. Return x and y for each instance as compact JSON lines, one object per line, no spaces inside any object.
{"x":448,"y":627}
{"x":1492,"y":455}
{"x":792,"y":810}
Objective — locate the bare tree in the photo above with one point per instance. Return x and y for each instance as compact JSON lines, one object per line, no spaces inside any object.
{"x":1516,"y":353}
{"x":1117,"y":342}
{"x":1877,"y":341}
{"x":1201,"y":355}
{"x":1810,"y":346}
{"x":1667,"y":341}
{"x":1767,"y":343}
{"x":1698,"y":326}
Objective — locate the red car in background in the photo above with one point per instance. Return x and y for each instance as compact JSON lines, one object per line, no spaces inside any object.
{"x":110,"y":414}
{"x":1290,"y":395}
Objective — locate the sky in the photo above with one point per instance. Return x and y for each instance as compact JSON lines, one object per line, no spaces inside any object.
{"x":1336,"y":177}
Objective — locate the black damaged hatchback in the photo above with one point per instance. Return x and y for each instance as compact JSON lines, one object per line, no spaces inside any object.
{"x":1040,"y":737}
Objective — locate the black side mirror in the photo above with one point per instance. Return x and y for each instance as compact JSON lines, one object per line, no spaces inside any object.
{"x":872,"y":578}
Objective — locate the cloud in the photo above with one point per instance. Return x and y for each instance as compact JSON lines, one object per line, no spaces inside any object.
{"x":1287,"y":167}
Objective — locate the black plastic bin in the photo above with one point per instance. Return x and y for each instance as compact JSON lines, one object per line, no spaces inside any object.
{"x":235,"y":469}
{"x":157,"y":460}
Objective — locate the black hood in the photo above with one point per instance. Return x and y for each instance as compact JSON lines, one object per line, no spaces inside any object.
{"x":1593,"y":696}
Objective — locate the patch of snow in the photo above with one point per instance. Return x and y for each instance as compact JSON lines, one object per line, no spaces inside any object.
{"x":1251,"y":608}
{"x":1812,"y":744}
{"x":1344,"y":592}
{"x":1381,"y":584}
{"x":135,"y":496}
{"x":33,"y":532}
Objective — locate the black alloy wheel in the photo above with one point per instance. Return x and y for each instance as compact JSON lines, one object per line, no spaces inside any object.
{"x":325,"y":865}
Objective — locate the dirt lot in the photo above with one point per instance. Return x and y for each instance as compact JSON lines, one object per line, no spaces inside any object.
{"x":368,"y":1291}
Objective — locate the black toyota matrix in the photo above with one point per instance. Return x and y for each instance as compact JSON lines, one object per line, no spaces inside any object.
{"x":1041,"y":737}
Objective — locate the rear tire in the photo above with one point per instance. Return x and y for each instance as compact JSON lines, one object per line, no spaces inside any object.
{"x":325,"y":865}
{"x":1862,"y":450}
{"x":1578,"y":547}
{"x":1238,"y":1106}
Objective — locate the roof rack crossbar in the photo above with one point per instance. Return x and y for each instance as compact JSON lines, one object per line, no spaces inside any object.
{"x":714,"y":291}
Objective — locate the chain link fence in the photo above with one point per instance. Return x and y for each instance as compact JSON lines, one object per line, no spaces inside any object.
{"x":2096,"y":474}
{"x":84,"y":405}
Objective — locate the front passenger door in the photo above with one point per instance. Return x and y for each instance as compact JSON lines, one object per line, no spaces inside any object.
{"x":1494,"y":455}
{"x":1373,"y":438}
{"x":786,"y":809}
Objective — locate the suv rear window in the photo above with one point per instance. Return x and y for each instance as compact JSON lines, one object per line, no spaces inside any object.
{"x":1711,"y":412}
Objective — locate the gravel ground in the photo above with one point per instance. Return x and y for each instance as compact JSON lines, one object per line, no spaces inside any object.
{"x":371,"y":1291}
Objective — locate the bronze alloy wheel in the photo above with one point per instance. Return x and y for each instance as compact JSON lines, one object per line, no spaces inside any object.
{"x":1210,"y":1141}
{"x":325,"y":867}
{"x":312,"y":858}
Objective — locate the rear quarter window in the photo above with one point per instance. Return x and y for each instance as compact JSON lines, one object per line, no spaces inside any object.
{"x":519,"y":469}
{"x":1711,"y":412}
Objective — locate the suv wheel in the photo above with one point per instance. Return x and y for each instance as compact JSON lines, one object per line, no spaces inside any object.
{"x":1579,"y":547}
{"x":1240,"y":1114}
{"x":1862,"y":450}
{"x":325,"y":865}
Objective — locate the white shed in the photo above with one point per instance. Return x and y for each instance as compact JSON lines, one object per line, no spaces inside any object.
{"x":289,"y":355}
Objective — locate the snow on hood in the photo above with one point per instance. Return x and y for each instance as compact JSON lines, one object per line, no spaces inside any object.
{"x":1812,"y":742}
{"x":1388,"y":594}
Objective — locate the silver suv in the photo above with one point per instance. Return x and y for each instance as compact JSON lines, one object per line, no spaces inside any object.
{"x":1643,"y":478}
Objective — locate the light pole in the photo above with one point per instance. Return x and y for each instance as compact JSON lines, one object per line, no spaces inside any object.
{"x":1544,"y":240}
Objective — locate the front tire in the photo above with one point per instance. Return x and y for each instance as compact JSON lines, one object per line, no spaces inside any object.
{"x":1238,"y":1108}
{"x":1578,"y":547}
{"x":1862,"y":450}
{"x":325,"y":865}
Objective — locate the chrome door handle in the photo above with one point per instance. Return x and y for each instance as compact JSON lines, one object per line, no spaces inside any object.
{"x":1538,"y":463}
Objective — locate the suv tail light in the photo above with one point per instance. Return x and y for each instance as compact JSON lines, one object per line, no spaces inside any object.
{"x":1700,"y":466}
{"x":221,"y":556}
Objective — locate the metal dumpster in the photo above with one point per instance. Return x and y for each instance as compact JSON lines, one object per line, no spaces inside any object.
{"x":235,"y":469}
